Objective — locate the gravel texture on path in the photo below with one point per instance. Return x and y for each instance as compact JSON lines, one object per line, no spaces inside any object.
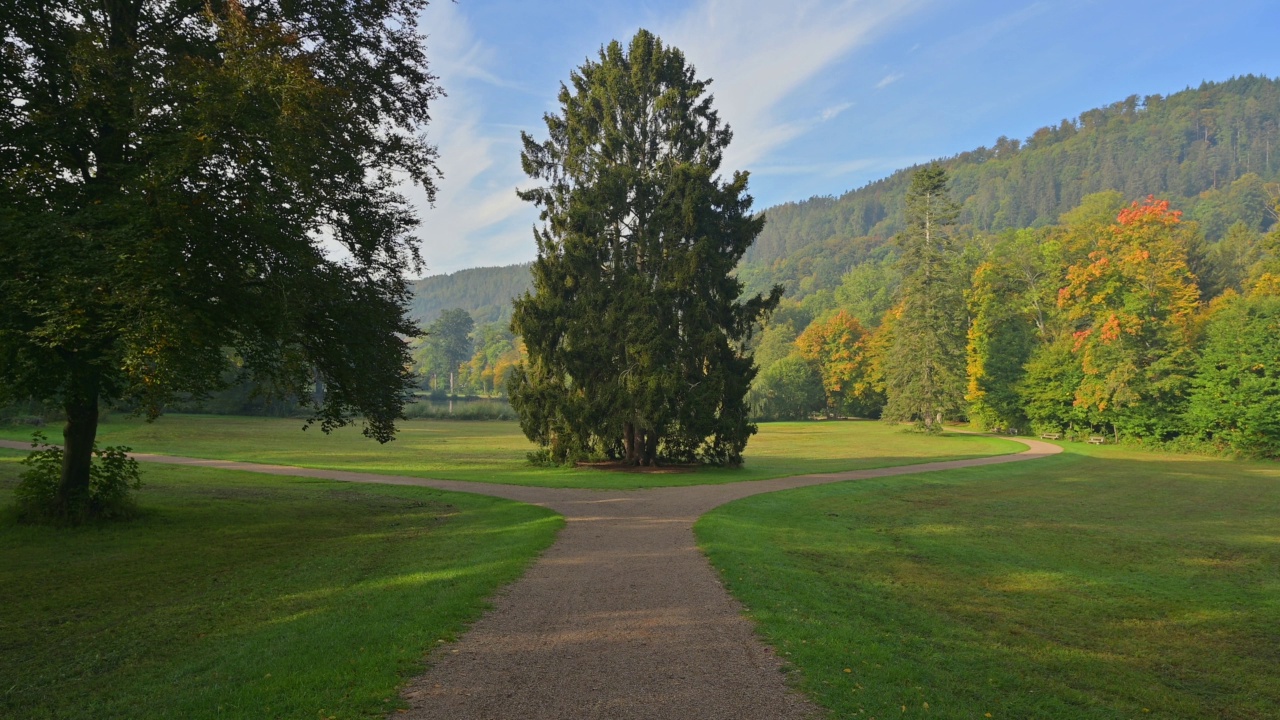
{"x":621,"y":618}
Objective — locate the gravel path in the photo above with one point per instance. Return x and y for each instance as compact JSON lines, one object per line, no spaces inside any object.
{"x":621,"y":618}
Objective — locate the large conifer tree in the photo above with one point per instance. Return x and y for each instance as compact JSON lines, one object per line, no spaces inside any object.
{"x":925,"y":372}
{"x":635,"y":326}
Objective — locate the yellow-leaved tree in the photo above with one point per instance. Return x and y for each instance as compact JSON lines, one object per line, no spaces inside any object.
{"x":838,"y":347}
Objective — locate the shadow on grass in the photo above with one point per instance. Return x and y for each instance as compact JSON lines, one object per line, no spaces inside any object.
{"x":247,"y":596}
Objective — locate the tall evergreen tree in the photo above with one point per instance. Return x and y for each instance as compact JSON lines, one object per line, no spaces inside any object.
{"x":925,"y":372}
{"x":635,"y":327}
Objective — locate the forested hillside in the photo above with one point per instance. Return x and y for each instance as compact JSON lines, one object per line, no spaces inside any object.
{"x":1208,"y":150}
{"x":1115,"y":276}
{"x":484,"y":292}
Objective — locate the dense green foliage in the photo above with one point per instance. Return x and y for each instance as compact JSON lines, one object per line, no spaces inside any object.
{"x":1100,"y":583}
{"x":1100,"y":325}
{"x":444,"y":346}
{"x":113,"y":478}
{"x":244,"y":596}
{"x":1000,"y":337}
{"x":1118,"y":353}
{"x":484,"y":292}
{"x":1235,"y":401}
{"x":788,"y":389}
{"x":635,"y":325}
{"x":168,"y":174}
{"x":471,"y":360}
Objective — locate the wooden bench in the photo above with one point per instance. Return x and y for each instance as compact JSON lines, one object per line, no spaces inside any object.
{"x":1050,"y":436}
{"x":1097,"y":440}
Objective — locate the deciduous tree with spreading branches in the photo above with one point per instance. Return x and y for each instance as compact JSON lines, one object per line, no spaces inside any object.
{"x":170,"y":172}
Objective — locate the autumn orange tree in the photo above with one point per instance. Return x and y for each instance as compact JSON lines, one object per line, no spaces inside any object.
{"x":1131,"y":303}
{"x":838,"y":347}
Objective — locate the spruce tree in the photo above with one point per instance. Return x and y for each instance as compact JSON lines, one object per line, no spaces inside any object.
{"x":925,"y":372}
{"x":635,"y":329}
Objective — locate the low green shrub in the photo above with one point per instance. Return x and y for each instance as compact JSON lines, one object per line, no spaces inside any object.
{"x":113,"y":477}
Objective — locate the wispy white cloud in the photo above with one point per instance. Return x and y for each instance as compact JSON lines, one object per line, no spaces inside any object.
{"x":834,"y":111}
{"x":760,"y":53}
{"x":477,"y":218}
{"x":888,"y":80}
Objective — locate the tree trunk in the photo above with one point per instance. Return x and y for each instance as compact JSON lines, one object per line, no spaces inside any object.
{"x":317,"y":393}
{"x":651,"y":448}
{"x":631,"y":454}
{"x":78,"y":435}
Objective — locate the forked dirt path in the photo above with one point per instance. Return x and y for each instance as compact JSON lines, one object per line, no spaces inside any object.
{"x":622,"y":617}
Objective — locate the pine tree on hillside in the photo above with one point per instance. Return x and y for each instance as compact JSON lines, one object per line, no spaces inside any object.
{"x":926,"y":368}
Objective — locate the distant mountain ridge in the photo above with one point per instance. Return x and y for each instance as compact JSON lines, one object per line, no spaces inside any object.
{"x":1214,"y":151}
{"x":1192,"y":147}
{"x":485,"y":292}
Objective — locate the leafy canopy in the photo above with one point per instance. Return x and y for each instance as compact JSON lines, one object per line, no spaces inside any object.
{"x":1132,"y":301}
{"x":838,"y":347}
{"x":169,"y":175}
{"x":169,"y":171}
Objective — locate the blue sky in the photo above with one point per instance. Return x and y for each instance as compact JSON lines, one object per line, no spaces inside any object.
{"x":823,"y":95}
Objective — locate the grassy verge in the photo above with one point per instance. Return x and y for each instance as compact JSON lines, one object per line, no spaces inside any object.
{"x":495,"y":451}
{"x":247,"y":596}
{"x":1101,"y":583}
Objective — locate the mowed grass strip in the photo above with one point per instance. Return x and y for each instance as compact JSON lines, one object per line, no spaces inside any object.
{"x":1101,"y":583}
{"x":239,"y":595}
{"x":496,"y":451}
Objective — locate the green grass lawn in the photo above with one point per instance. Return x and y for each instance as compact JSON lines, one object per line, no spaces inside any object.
{"x":495,"y":451}
{"x":239,"y":595}
{"x":1101,"y":583}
